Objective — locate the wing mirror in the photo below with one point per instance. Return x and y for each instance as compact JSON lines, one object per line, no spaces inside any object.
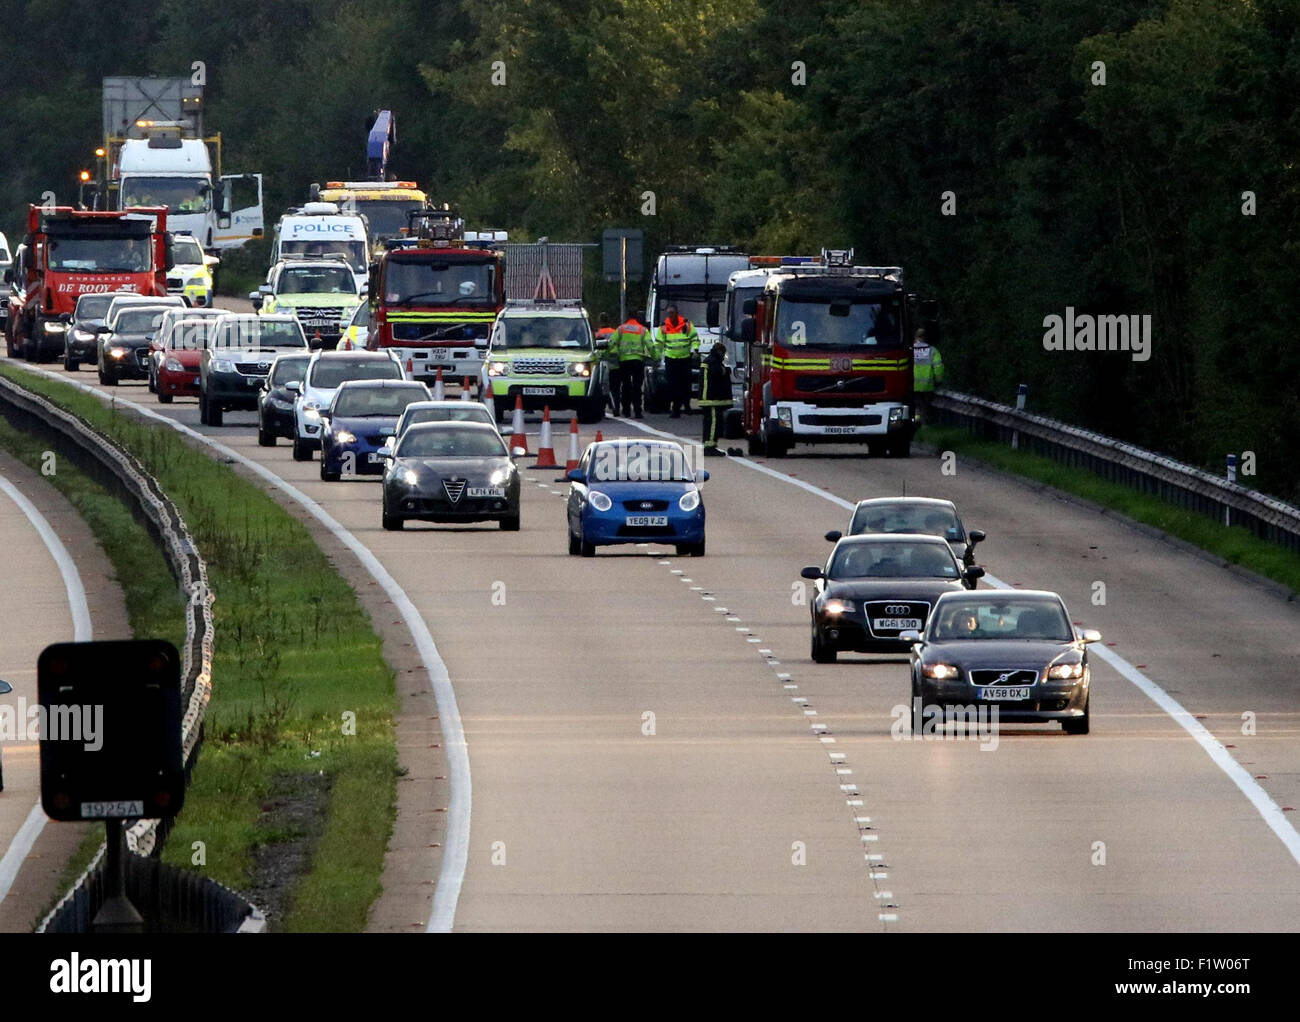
{"x":976,"y":536}
{"x":834,"y":536}
{"x":576,"y":475}
{"x":702,"y":476}
{"x":386,"y":451}
{"x":975,"y":571}
{"x":910,"y":635}
{"x":811,"y":572}
{"x":518,"y":452}
{"x":1090,"y":635}
{"x":5,"y":688}
{"x":293,"y":387}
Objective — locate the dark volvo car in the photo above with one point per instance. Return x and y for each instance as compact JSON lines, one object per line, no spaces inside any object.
{"x":450,"y":472}
{"x":873,"y":588}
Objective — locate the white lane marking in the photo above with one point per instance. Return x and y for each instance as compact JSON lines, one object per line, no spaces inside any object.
{"x":844,"y":771}
{"x":839,"y":755}
{"x":82,"y":631}
{"x":862,"y":819}
{"x":451,"y":876}
{"x":878,"y":876}
{"x":827,"y":739}
{"x":1269,"y":810}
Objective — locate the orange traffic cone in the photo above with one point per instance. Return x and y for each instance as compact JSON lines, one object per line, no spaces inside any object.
{"x":517,"y":437}
{"x":464,"y":388}
{"x":439,"y":391}
{"x":572,"y":461}
{"x":599,"y":438}
{"x":410,"y":369}
{"x":545,"y":451}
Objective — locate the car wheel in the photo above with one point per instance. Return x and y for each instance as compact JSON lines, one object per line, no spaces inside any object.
{"x":592,"y":410}
{"x":71,"y":364}
{"x":754,"y":444}
{"x":876,"y":448}
{"x":501,"y":409}
{"x":325,"y":475}
{"x":391,"y":524}
{"x":301,"y":452}
{"x":586,"y":549}
{"x":164,"y":399}
{"x":575,"y":545}
{"x":153,"y":384}
{"x":214,"y":413}
{"x":900,"y":449}
{"x":264,"y":439}
{"x":822,"y":653}
{"x":203,"y":409}
{"x":510,"y":524}
{"x":917,"y":709}
{"x":1079,"y":725}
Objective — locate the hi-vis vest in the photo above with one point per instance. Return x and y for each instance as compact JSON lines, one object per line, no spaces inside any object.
{"x":927,"y":367}
{"x":631,"y":341}
{"x":678,"y":339}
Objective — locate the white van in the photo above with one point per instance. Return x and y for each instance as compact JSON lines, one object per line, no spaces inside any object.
{"x":319,"y":231}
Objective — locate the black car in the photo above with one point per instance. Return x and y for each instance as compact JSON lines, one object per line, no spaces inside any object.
{"x":450,"y":472}
{"x":874,"y":588}
{"x":122,"y":350}
{"x":925,"y":515}
{"x":1013,"y":649}
{"x":275,"y":400}
{"x":80,"y":342}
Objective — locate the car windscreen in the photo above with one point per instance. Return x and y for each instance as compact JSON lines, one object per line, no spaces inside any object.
{"x":354,"y":402}
{"x":316,"y":280}
{"x":178,"y":194}
{"x":137,"y":321}
{"x":254,"y":332}
{"x":326,"y":375}
{"x":287,"y":369}
{"x":463,"y":411}
{"x":902,"y":517}
{"x":191,"y":334}
{"x":451,"y":443}
{"x":92,"y":307}
{"x":387,"y":217}
{"x":893,"y":560}
{"x":566,"y":332}
{"x":839,"y":323}
{"x":1000,"y":618}
{"x":640,"y":463}
{"x":88,"y":253}
{"x":439,"y":283}
{"x":186,"y":252}
{"x":354,"y":251}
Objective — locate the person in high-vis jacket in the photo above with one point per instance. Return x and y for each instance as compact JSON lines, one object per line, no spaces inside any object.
{"x":715,"y":396}
{"x":927,"y":373}
{"x":604,"y":332}
{"x":632,"y":347}
{"x":678,"y":344}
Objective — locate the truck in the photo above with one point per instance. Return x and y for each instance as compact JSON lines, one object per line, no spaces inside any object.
{"x":694,"y":278}
{"x":155,"y":154}
{"x":829,"y":357}
{"x":743,"y":285}
{"x":386,"y":205}
{"x":433,"y":298}
{"x":319,"y":229}
{"x":70,"y":252}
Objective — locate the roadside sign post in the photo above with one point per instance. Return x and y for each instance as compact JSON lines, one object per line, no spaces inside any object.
{"x":622,"y":260}
{"x":1021,"y":391}
{"x":1232,"y":478}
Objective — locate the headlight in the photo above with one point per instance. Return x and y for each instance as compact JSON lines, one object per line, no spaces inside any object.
{"x":174,"y":366}
{"x":310,"y":410}
{"x":409,"y":477}
{"x":896,"y":414}
{"x":599,"y":501}
{"x":82,"y":335}
{"x":117,"y":352}
{"x":498,"y":477}
{"x":689,"y":500}
{"x":54,"y":326}
{"x":580,"y":369}
{"x":343,"y":436}
{"x":222,"y":365}
{"x":839,"y":607}
{"x":1065,"y":672}
{"x":498,"y":368}
{"x":280,"y":403}
{"x":785,"y":415}
{"x":941,"y":671}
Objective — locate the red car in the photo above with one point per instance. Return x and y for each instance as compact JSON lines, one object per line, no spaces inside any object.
{"x":177,"y":372}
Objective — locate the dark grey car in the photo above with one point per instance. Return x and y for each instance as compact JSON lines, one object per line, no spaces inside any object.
{"x":275,"y":400}
{"x":925,"y":515}
{"x":1013,"y":649}
{"x":122,"y":350}
{"x":80,"y":342}
{"x":451,"y":472}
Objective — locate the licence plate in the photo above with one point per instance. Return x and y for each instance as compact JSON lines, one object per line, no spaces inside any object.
{"x":486,"y":491}
{"x":840,"y":429}
{"x":440,"y":354}
{"x":1002,"y":692}
{"x":196,"y":380}
{"x":647,"y":520}
{"x":108,"y":810}
{"x":901,"y":624}
{"x":539,"y":391}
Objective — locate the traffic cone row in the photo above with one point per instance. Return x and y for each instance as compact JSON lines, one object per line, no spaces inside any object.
{"x":572,"y":461}
{"x":517,"y":436}
{"x":545,"y":449}
{"x":439,"y":391}
{"x":464,"y":389}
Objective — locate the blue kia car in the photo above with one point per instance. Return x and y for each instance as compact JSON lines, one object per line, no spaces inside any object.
{"x":635,"y":491}
{"x":361,"y":417}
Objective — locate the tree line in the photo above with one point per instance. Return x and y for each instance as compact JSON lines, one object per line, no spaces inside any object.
{"x":1017,"y":157}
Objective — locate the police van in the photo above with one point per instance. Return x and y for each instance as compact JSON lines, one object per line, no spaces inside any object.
{"x":319,"y":231}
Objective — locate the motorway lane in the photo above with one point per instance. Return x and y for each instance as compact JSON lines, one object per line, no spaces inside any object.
{"x":696,"y":827}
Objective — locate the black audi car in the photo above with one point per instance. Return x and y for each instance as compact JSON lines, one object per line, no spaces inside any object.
{"x":875,"y":587}
{"x":275,"y":400}
{"x":1011,"y":648}
{"x":122,"y":351}
{"x":925,"y":515}
{"x":450,"y":472}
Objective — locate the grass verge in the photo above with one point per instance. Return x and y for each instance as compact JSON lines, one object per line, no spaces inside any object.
{"x":1233,"y":545}
{"x":299,"y":680}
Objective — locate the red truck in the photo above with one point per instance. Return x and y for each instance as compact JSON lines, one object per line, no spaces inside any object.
{"x":70,"y":252}
{"x":433,"y":298}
